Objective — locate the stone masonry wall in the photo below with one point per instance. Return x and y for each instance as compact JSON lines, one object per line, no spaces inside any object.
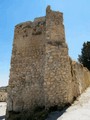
{"x":42,"y":73}
{"x":81,"y":78}
{"x":57,"y":78}
{"x":3,"y":94}
{"x":27,"y":66}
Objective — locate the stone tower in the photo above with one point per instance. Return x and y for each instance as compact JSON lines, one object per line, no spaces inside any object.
{"x":40,"y":72}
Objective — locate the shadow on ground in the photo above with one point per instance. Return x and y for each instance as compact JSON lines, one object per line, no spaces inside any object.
{"x":2,"y":117}
{"x":55,"y":115}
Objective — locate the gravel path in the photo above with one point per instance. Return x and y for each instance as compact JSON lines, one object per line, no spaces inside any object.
{"x":80,"y":110}
{"x":2,"y":110}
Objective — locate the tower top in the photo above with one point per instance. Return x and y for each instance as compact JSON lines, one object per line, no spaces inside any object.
{"x":48,"y":9}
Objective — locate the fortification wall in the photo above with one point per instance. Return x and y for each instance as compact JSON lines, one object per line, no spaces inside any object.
{"x":81,"y":78}
{"x":3,"y":94}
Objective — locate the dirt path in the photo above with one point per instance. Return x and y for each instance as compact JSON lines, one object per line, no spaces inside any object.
{"x":2,"y":110}
{"x":80,"y":110}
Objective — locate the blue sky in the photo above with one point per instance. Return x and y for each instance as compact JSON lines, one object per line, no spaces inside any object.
{"x":76,"y":20}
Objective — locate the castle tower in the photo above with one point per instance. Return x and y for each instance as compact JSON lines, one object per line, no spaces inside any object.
{"x":40,"y":72}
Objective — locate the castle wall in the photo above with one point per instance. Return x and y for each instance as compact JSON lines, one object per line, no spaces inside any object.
{"x":81,"y":78}
{"x":3,"y":94}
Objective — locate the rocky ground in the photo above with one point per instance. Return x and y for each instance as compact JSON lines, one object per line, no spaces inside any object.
{"x":2,"y":110}
{"x":80,"y":110}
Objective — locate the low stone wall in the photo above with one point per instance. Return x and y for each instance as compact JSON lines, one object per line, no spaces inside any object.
{"x":80,"y":78}
{"x":3,"y":94}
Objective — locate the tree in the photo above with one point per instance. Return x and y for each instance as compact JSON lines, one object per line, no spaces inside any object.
{"x":84,"y":58}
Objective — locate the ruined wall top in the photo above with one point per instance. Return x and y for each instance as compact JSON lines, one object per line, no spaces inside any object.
{"x":40,"y":21}
{"x":55,"y":14}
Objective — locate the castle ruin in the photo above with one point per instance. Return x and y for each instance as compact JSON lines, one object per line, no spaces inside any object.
{"x":42,"y":73}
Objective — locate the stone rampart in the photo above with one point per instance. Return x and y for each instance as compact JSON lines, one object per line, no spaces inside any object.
{"x":80,"y":78}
